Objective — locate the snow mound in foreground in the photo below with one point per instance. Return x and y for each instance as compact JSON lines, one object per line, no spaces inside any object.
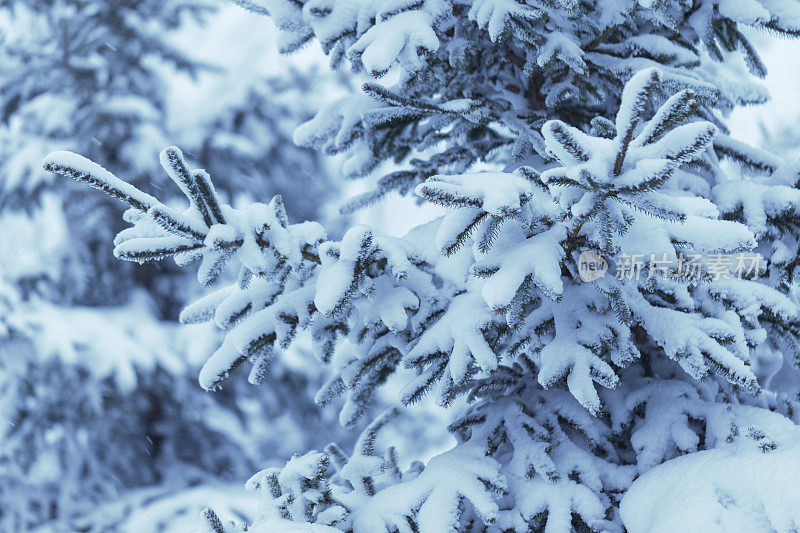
{"x":724,"y":490}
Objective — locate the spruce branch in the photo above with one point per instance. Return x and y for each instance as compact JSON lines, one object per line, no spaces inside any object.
{"x":173,"y":162}
{"x":636,"y":96}
{"x":212,"y":521}
{"x":83,"y":170}
{"x":252,"y":7}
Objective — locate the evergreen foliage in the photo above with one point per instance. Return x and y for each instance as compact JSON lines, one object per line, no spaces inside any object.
{"x":603,"y":123}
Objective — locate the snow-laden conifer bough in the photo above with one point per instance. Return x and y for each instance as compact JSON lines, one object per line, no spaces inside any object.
{"x":575,"y":388}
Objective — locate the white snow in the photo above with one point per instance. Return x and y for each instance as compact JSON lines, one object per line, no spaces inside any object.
{"x":729,"y":490}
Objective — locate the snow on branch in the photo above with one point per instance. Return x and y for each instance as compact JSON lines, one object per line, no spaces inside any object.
{"x":489,"y":302}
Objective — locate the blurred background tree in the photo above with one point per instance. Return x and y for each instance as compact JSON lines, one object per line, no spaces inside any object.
{"x":81,"y":330}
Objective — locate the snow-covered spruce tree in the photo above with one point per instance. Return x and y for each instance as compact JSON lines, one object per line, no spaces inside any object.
{"x":482,"y":76}
{"x":575,"y":386}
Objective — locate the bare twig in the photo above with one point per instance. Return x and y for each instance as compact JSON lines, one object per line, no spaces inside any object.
{"x":600,"y":38}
